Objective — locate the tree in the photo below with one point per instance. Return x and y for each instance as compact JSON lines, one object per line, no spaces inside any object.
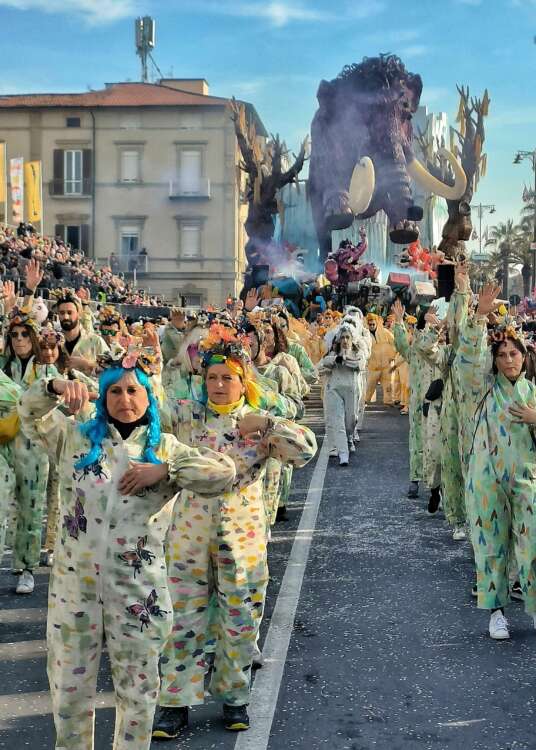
{"x":504,"y":237}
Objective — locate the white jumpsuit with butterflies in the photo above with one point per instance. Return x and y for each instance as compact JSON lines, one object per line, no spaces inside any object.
{"x":109,"y":574}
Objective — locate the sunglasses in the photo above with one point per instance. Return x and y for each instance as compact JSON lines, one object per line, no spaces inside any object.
{"x":109,"y":331}
{"x":19,"y":335}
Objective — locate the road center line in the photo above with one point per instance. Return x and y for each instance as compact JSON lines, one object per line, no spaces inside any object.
{"x":268,"y":680}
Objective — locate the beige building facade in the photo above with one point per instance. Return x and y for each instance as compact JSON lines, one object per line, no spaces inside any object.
{"x":141,"y":168}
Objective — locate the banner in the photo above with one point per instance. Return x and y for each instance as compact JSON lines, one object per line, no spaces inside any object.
{"x":16,"y":178}
{"x":3,"y":182}
{"x":33,"y":191}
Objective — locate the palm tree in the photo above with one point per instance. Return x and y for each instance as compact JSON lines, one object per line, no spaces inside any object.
{"x":523,"y":254}
{"x":504,"y":238}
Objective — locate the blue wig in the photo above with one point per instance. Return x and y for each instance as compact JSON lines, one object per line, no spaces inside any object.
{"x":97,"y":428}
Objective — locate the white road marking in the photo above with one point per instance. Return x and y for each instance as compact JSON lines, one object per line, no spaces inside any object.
{"x":268,"y":680}
{"x":466,"y":723}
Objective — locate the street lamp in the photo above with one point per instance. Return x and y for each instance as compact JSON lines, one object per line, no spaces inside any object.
{"x":482,"y":208}
{"x":531,"y":155}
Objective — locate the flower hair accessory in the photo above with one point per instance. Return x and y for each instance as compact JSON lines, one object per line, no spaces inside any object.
{"x":64,"y":296}
{"x":19,"y":318}
{"x":130,"y":358}
{"x":108,"y":316}
{"x":505,"y":328}
{"x":48,"y":335}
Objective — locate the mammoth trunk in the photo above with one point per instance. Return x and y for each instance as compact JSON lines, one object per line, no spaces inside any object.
{"x":393,"y":192}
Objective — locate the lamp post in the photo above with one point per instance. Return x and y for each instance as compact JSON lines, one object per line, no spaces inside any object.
{"x":482,"y":208}
{"x":531,"y":155}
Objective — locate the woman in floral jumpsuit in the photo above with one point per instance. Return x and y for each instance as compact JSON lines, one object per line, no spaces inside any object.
{"x":119,"y":477}
{"x":220,"y":545}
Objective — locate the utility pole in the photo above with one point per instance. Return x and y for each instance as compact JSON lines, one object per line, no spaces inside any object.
{"x":531,"y":156}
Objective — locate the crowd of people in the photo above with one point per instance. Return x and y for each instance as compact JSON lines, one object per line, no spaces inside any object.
{"x":65,"y":266}
{"x":156,"y":459}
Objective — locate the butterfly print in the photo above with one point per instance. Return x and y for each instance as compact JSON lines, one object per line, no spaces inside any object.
{"x":95,"y":468}
{"x":144,"y":610}
{"x":78,"y":522}
{"x":135,"y":558}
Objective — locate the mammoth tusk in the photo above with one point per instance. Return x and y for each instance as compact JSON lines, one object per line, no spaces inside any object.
{"x":362,"y":186}
{"x":426,"y":180}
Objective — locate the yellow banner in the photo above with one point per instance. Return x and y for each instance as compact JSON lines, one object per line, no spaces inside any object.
{"x":32,"y":191}
{"x":3,"y":180}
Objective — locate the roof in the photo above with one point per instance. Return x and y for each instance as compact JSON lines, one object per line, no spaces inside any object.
{"x":116,"y":95}
{"x":126,"y":95}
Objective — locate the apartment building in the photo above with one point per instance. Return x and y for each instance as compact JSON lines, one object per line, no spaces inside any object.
{"x":146,"y":171}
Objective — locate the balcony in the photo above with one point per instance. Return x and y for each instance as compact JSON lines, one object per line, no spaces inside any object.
{"x":127,"y":264}
{"x":197,"y":189}
{"x":60,"y":188}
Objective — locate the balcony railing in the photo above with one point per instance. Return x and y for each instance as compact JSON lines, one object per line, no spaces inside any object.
{"x":128,"y":263}
{"x":70,"y":188}
{"x":189,"y":189}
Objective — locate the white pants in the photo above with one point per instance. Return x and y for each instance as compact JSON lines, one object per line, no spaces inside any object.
{"x":340,"y":407}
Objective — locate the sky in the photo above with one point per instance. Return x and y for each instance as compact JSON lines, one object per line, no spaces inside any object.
{"x":274,"y":53}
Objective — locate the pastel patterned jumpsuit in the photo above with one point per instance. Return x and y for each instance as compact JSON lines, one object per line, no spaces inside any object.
{"x":501,"y":473}
{"x":220,"y":545}
{"x":109,"y":574}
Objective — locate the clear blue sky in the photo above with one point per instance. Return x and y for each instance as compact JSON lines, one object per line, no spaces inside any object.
{"x":274,"y":53}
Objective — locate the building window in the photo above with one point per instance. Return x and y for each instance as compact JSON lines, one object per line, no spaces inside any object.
{"x":130,"y":166}
{"x":129,"y":240}
{"x":72,"y":122}
{"x":72,"y":172}
{"x":190,"y":238}
{"x":190,"y":171}
{"x":192,"y":300}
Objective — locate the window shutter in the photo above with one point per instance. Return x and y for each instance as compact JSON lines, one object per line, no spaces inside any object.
{"x":87,"y":171}
{"x":190,"y":240}
{"x":57,"y":179}
{"x":59,"y":231}
{"x":129,"y":166}
{"x":190,"y":176}
{"x":84,"y":237}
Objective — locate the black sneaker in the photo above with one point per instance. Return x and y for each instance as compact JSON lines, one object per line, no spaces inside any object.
{"x":413,"y":490}
{"x":169,"y":721}
{"x":235,"y":718}
{"x":435,"y":499}
{"x":516,"y":592}
{"x":281,"y":514}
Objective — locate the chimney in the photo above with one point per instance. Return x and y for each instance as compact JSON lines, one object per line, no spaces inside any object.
{"x":193,"y":85}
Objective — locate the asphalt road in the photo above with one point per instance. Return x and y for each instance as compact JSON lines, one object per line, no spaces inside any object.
{"x":387,"y":651}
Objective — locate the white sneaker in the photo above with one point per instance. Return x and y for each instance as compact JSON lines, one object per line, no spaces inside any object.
{"x":498,"y":626}
{"x":343,"y":459}
{"x":25,"y":583}
{"x":534,"y":621}
{"x":333,"y":453}
{"x":351,"y":445}
{"x":357,"y":439}
{"x":459,"y":534}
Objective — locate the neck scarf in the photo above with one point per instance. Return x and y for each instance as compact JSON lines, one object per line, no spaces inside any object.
{"x":226,"y":408}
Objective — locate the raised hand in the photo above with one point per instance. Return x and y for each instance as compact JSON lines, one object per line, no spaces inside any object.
{"x":75,"y":394}
{"x":461,"y":277}
{"x":398,"y":310}
{"x":83,"y":294}
{"x":33,"y":274}
{"x":487,"y":299}
{"x":9,"y":296}
{"x":252,"y":300}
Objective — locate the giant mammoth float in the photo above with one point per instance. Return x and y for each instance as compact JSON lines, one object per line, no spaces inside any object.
{"x":362,"y":154}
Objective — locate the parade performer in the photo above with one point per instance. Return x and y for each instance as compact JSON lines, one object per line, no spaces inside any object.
{"x":21,"y":363}
{"x":454,"y":415}
{"x":173,"y":334}
{"x":341,"y":368}
{"x":9,"y":427}
{"x":220,"y":545}
{"x":420,"y":376}
{"x":182,"y":377}
{"x":502,"y":460}
{"x":81,"y":348}
{"x":296,"y":349}
{"x":119,"y":477}
{"x":381,"y":359}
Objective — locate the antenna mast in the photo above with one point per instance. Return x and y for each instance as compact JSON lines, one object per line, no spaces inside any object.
{"x":145,"y":42}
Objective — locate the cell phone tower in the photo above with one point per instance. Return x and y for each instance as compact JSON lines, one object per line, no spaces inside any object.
{"x":145,"y":42}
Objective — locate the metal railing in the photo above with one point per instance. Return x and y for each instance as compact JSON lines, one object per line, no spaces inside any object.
{"x":189,"y":189}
